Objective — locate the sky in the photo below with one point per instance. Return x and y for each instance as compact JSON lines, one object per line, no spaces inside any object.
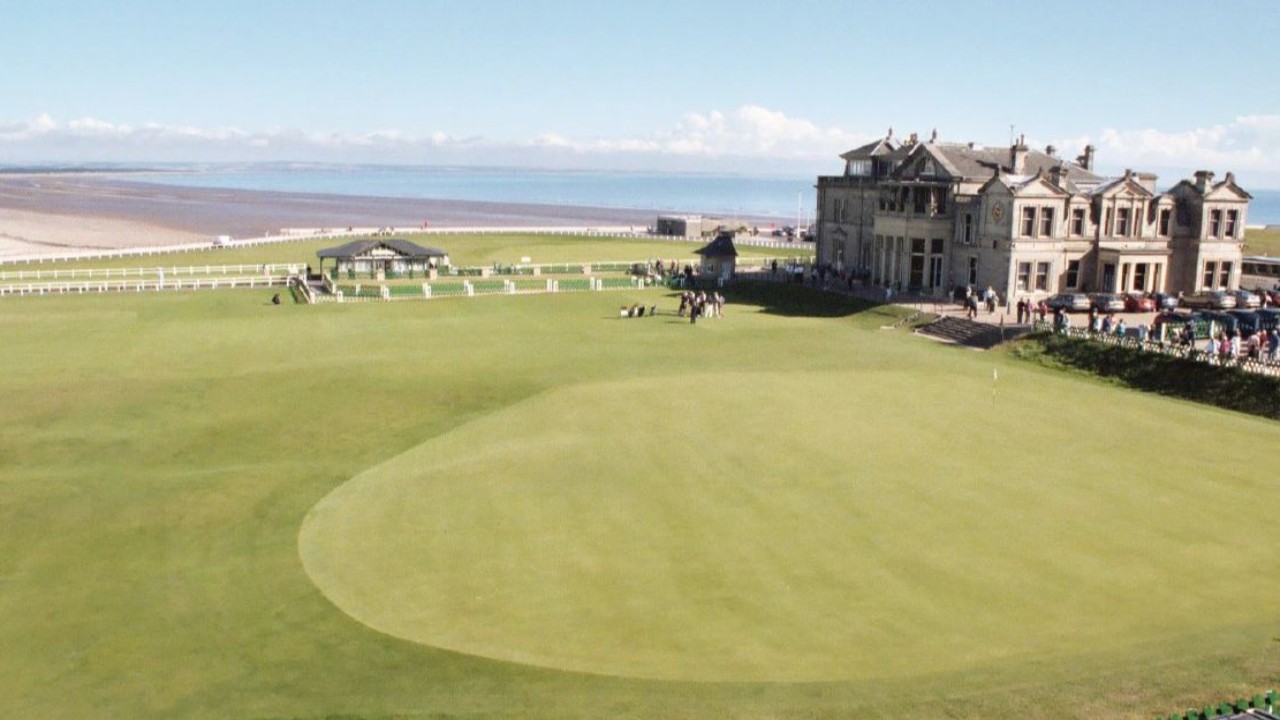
{"x":744,"y":86}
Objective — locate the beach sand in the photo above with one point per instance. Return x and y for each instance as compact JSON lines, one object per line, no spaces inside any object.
{"x":44,"y":214}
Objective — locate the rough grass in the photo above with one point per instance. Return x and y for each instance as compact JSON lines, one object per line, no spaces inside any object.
{"x":1229,"y":388}
{"x":160,"y":454}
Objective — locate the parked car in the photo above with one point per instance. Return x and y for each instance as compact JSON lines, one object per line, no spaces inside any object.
{"x":1107,"y":302}
{"x":1249,"y":322}
{"x":1069,"y":302}
{"x":1215,"y":299}
{"x":1165,"y":301}
{"x":1169,"y":326}
{"x":1268,"y":318}
{"x":1139,"y":302}
{"x":1246,"y":299}
{"x":1222,"y":321}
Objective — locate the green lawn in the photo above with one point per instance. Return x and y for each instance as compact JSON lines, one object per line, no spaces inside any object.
{"x":464,"y":249}
{"x":526,"y":507}
{"x":1262,"y":242}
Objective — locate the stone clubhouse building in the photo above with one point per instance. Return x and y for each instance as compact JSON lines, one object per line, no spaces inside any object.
{"x":931,"y":216}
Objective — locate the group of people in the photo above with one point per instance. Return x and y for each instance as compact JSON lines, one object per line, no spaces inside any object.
{"x":700,"y":304}
{"x":989,"y":300}
{"x":637,"y":310}
{"x":1224,"y":348}
{"x":1228,"y":347}
{"x":1027,"y":311}
{"x":1099,"y":325}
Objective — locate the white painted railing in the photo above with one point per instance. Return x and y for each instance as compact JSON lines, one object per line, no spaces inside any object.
{"x":157,"y":285}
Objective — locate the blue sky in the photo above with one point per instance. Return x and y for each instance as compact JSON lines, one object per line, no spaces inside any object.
{"x":768,"y":87}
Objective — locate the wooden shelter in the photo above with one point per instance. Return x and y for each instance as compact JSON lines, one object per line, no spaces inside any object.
{"x":383,"y":258}
{"x":719,"y":257}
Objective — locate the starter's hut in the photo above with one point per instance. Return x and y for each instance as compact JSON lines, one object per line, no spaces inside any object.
{"x":719,"y":257}
{"x":383,"y":258}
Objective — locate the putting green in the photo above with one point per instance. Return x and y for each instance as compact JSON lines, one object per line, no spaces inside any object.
{"x":677,"y":527}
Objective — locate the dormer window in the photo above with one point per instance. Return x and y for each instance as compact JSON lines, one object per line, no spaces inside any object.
{"x":1077,"y":224}
{"x":1215,"y":223}
{"x":858,"y":168}
{"x":1028,"y":222}
{"x":1122,"y":222}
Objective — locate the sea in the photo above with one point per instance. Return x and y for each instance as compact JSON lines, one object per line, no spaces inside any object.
{"x":788,"y":198}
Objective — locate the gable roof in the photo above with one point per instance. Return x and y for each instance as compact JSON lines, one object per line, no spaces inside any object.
{"x":880,"y":147}
{"x":1115,"y":185}
{"x":722,"y":246}
{"x":398,"y":246}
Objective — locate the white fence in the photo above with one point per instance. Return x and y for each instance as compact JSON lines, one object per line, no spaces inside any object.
{"x":156,"y":285}
{"x":140,"y":272}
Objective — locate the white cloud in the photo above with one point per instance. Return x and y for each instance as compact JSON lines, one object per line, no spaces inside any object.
{"x":748,"y":137}
{"x":1248,"y":144}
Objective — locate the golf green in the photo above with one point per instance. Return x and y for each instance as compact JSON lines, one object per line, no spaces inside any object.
{"x":663,"y":528}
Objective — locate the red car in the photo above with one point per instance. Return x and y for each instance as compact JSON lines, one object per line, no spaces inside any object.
{"x":1137,"y":302}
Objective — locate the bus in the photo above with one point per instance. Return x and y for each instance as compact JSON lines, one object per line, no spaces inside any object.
{"x":1258,"y":272}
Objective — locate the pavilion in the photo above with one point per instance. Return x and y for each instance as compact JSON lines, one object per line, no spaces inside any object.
{"x":383,"y":258}
{"x":719,"y":257}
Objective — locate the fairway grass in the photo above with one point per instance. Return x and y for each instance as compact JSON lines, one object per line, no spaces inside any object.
{"x":521,"y":507}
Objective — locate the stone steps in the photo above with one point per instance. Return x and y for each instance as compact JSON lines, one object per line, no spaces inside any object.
{"x":972,"y":334}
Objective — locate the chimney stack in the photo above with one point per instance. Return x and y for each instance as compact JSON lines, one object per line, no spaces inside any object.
{"x":1086,"y":160}
{"x":1018,"y":156}
{"x":1203,"y":178}
{"x":1056,"y":174}
{"x":1051,"y":151}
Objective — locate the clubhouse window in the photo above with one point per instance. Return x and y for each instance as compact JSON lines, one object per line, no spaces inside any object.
{"x":1210,"y":272}
{"x":1046,"y":222}
{"x":1073,"y":274}
{"x":1077,"y":222}
{"x":1028,"y":221}
{"x":973,"y":270}
{"x":1215,"y":223}
{"x":1024,"y":275}
{"x":968,"y":228}
{"x":1224,"y":275}
{"x":1042,"y":276}
{"x":1122,"y":222}
{"x":1232,"y":216}
{"x":1165,"y":215}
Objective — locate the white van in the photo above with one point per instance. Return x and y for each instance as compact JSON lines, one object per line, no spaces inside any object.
{"x":221,"y":240}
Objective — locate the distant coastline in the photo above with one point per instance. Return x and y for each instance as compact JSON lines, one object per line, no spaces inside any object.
{"x":98,"y":206}
{"x":44,"y":212}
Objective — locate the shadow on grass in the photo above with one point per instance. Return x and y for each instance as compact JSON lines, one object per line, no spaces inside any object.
{"x":791,"y":300}
{"x":1228,"y":388}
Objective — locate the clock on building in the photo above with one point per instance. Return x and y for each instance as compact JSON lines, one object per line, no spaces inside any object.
{"x":997,"y":211}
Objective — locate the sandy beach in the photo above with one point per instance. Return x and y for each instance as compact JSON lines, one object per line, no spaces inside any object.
{"x":44,"y":214}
